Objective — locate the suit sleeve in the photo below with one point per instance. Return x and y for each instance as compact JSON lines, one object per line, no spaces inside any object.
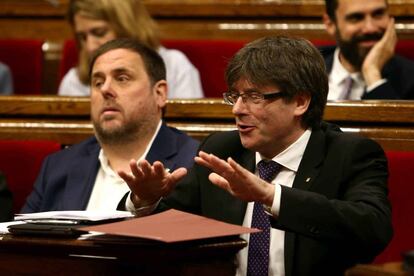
{"x":357,"y":213}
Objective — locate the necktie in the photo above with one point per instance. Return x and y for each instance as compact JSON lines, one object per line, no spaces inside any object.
{"x":258,"y":256}
{"x":346,"y":92}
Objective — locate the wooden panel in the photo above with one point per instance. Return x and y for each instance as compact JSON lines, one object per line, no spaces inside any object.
{"x":66,"y":119}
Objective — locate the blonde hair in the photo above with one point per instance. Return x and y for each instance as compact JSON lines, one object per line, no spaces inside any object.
{"x":128,"y":18}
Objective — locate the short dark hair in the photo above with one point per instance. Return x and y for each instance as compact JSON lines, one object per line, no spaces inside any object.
{"x":332,"y":5}
{"x":292,"y":64}
{"x":330,"y":8}
{"x":154,"y":64}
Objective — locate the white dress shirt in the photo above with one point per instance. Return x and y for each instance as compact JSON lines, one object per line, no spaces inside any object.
{"x":290,"y":159}
{"x":109,"y":187}
{"x":337,"y":78}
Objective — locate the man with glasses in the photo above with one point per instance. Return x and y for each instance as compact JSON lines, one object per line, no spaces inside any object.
{"x":319,"y":195}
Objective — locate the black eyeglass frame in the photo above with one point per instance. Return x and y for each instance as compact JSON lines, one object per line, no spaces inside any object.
{"x":261,"y":96}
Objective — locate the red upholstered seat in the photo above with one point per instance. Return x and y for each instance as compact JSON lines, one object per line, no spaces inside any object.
{"x":20,"y":162}
{"x":25,"y":59}
{"x":210,"y":57}
{"x":401,"y":194}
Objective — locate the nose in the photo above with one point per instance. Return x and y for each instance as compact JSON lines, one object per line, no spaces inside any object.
{"x":370,"y":25}
{"x":239,"y":107}
{"x":107,"y":89}
{"x":92,"y":43}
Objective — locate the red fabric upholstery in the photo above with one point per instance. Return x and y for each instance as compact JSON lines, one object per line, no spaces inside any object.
{"x":25,"y":59}
{"x":208,"y":56}
{"x":20,"y":162}
{"x":401,"y":194}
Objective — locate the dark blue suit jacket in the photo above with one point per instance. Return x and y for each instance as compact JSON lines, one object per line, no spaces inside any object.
{"x":67,"y":177}
{"x":398,"y":71}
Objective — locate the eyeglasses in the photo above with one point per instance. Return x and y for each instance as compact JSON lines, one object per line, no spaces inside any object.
{"x":251,"y":97}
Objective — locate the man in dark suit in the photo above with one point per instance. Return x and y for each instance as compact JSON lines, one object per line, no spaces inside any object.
{"x":128,"y":95}
{"x":327,"y":205}
{"x":364,"y":65}
{"x":6,"y":200}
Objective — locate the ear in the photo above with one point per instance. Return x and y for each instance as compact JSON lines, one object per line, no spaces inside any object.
{"x":330,"y":25}
{"x":302,"y":103}
{"x":160,"y":90}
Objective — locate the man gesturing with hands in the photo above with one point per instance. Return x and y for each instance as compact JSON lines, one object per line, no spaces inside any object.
{"x":318,"y":194}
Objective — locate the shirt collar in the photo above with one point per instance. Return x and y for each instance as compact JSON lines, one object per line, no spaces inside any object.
{"x":339,"y":73}
{"x":290,"y":158}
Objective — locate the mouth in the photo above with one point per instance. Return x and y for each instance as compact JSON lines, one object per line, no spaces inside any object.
{"x":108,"y":111}
{"x":368,"y":43}
{"x":244,"y":128}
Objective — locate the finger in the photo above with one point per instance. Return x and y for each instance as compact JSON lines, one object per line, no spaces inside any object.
{"x":145,"y":167}
{"x":135,"y":170}
{"x":178,"y":174}
{"x":126,"y":176}
{"x":219,"y":181}
{"x":158,"y":168}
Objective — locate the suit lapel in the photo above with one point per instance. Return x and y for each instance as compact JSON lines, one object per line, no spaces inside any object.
{"x":307,"y":172}
{"x":81,"y":179}
{"x":164,"y":148}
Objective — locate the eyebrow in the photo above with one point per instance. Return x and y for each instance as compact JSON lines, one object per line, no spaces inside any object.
{"x":353,"y":15}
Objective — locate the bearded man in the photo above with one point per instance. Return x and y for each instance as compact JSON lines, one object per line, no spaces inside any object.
{"x":128,"y":95}
{"x":364,"y":65}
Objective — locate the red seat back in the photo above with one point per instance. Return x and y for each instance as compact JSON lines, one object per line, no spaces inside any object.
{"x":20,"y":162}
{"x":25,"y":59}
{"x":401,"y":195}
{"x":210,"y":57}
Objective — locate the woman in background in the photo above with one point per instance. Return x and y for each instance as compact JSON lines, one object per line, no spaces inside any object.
{"x":97,"y":21}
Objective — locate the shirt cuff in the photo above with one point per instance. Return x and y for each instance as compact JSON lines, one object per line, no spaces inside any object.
{"x":141,"y":211}
{"x":376,"y":84}
{"x":274,"y":210}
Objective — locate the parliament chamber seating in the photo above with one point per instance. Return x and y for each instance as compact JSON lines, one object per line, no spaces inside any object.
{"x":25,"y":60}
{"x":210,"y":57}
{"x":20,"y":162}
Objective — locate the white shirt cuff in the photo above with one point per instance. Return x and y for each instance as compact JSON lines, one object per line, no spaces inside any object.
{"x":274,"y":210}
{"x":376,"y":84}
{"x":142,"y":211}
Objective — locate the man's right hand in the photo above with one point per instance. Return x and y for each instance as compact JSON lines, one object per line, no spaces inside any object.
{"x":379,"y":55}
{"x":148,"y":183}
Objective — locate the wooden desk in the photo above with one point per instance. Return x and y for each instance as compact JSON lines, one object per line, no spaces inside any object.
{"x":387,"y":269}
{"x":46,"y":256}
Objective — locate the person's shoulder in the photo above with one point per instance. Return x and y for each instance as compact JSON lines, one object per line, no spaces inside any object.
{"x":182,"y":137}
{"x":87,"y":146}
{"x":71,"y":85}
{"x":174,"y":57}
{"x":4,"y":68}
{"x":346,"y":141}
{"x":402,"y":61}
{"x":327,"y":50}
